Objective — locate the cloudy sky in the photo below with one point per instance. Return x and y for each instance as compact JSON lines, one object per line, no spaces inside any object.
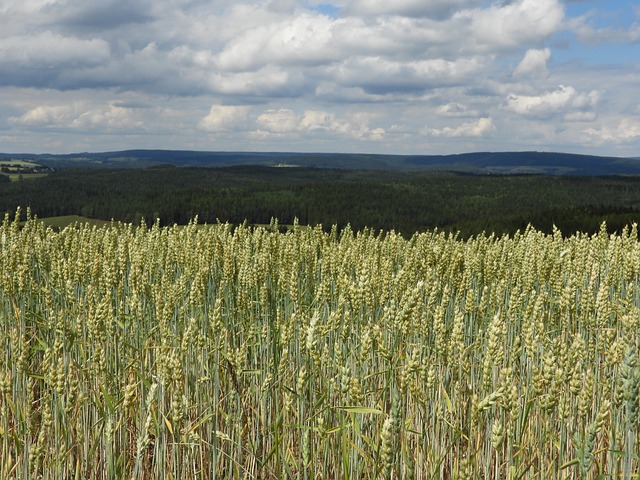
{"x":386,"y":76}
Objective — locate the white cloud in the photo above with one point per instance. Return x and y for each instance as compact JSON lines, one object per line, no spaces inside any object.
{"x":285,"y":122}
{"x":255,"y":49}
{"x":580,"y":117}
{"x":269,"y":81}
{"x":46,"y":116}
{"x":316,"y":74}
{"x":48,"y":49}
{"x":482,"y":127}
{"x":587,"y":32}
{"x":627,"y":130}
{"x":79,"y":115}
{"x":534,"y":63}
{"x":302,"y":40}
{"x":378,"y":75}
{"x":562,"y":100}
{"x":29,"y":7}
{"x":224,"y":118}
{"x":456,"y":109}
{"x":278,"y":121}
{"x":358,"y":125}
{"x":512,"y":24}
{"x":283,"y":6}
{"x":431,"y":8}
{"x":319,"y":120}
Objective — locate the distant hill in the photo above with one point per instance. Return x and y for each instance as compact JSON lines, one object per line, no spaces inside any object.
{"x":546,"y":163}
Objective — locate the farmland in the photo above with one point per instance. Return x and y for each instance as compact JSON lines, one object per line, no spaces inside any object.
{"x":200,"y":352}
{"x":17,"y":170}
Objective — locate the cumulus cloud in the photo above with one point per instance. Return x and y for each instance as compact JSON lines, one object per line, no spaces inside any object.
{"x":534,"y":63}
{"x":333,"y":72}
{"x":51,"y":50}
{"x":561,"y":100}
{"x":78,"y":115}
{"x":512,"y":24}
{"x":626,"y":130}
{"x":255,"y":49}
{"x":378,"y":75}
{"x":100,"y":14}
{"x":580,"y":116}
{"x":456,"y":109}
{"x":270,"y":81}
{"x":301,"y":40}
{"x":46,"y":116}
{"x":583,"y":27}
{"x":481,"y":127}
{"x":418,"y":8}
{"x":278,"y":121}
{"x":224,"y":118}
{"x":285,"y":121}
{"x":319,"y":120}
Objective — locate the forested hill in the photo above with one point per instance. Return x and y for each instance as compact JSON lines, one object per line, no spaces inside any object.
{"x":406,"y":202}
{"x":479,"y":162}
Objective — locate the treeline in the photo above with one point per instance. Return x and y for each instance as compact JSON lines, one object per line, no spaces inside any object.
{"x":380,"y":200}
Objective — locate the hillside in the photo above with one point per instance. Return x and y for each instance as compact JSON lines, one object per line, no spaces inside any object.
{"x":547,"y":163}
{"x":404,"y":201}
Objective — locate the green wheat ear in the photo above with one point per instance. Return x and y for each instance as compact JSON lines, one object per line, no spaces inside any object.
{"x":630,"y":386}
{"x":214,"y":351}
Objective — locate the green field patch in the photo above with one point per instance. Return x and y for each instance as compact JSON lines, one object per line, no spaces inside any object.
{"x":19,"y":177}
{"x":18,"y":170}
{"x":18,"y":164}
{"x":66,"y":220}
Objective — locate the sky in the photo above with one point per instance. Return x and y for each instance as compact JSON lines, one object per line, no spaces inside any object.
{"x":371,"y":76}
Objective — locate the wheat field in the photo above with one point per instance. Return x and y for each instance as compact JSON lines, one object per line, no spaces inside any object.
{"x":235,"y":352}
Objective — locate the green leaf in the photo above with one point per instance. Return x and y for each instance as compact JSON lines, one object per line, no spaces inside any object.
{"x":575,"y":461}
{"x":446,"y":398}
{"x":364,"y":410}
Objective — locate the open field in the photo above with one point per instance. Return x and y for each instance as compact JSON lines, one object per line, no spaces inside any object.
{"x":17,"y":163}
{"x":63,"y":221}
{"x":17,"y":170}
{"x":194,"y":353}
{"x":18,"y":177}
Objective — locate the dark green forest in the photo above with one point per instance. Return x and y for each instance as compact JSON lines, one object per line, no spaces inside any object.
{"x":381,"y":200}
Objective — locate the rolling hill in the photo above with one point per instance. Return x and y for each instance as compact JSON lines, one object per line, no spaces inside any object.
{"x":544,"y":163}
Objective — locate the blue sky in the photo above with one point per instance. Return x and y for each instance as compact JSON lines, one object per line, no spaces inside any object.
{"x":402,"y":76}
{"x":614,"y":16}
